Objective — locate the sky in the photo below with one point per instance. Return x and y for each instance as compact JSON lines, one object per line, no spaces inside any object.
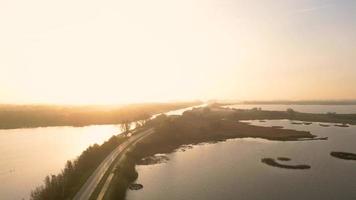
{"x":110,"y":51}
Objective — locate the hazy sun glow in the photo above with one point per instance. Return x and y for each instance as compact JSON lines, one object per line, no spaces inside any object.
{"x":76,"y":51}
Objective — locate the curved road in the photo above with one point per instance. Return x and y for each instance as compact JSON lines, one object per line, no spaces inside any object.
{"x":90,"y":185}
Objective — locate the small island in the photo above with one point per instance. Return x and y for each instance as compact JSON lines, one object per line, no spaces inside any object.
{"x":135,"y":186}
{"x":277,"y":127}
{"x":155,"y":159}
{"x":343,"y":155}
{"x":342,"y":125}
{"x":272,"y":162}
{"x":297,"y":123}
{"x":316,"y":138}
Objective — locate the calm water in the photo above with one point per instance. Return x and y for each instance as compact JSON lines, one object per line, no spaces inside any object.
{"x":28,"y":155}
{"x":341,"y":109}
{"x":232,"y":170}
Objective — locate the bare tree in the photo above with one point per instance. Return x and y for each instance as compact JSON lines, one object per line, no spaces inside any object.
{"x":125,"y":126}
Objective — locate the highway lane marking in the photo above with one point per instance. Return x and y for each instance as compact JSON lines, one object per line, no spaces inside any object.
{"x":109,"y":179}
{"x":106,"y":185}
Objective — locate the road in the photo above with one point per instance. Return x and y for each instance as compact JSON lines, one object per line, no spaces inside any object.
{"x":90,"y":185}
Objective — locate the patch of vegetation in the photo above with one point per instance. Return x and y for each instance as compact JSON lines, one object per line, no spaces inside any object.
{"x":155,"y":159}
{"x":283,"y":159}
{"x":316,"y":138}
{"x":297,"y":123}
{"x":274,"y":163}
{"x":343,"y":155}
{"x":135,"y":186}
{"x":342,"y":125}
{"x":278,"y":127}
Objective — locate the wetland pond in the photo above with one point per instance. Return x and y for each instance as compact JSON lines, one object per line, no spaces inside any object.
{"x":233,"y":169}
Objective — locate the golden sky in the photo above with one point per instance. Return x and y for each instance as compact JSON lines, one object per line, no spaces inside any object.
{"x":109,"y":51}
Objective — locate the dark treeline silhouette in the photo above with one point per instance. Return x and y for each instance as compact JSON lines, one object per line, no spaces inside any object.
{"x":22,"y":116}
{"x":64,"y":185}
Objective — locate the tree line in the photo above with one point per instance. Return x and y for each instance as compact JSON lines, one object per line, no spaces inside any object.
{"x":65,"y":184}
{"x":24,"y":116}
